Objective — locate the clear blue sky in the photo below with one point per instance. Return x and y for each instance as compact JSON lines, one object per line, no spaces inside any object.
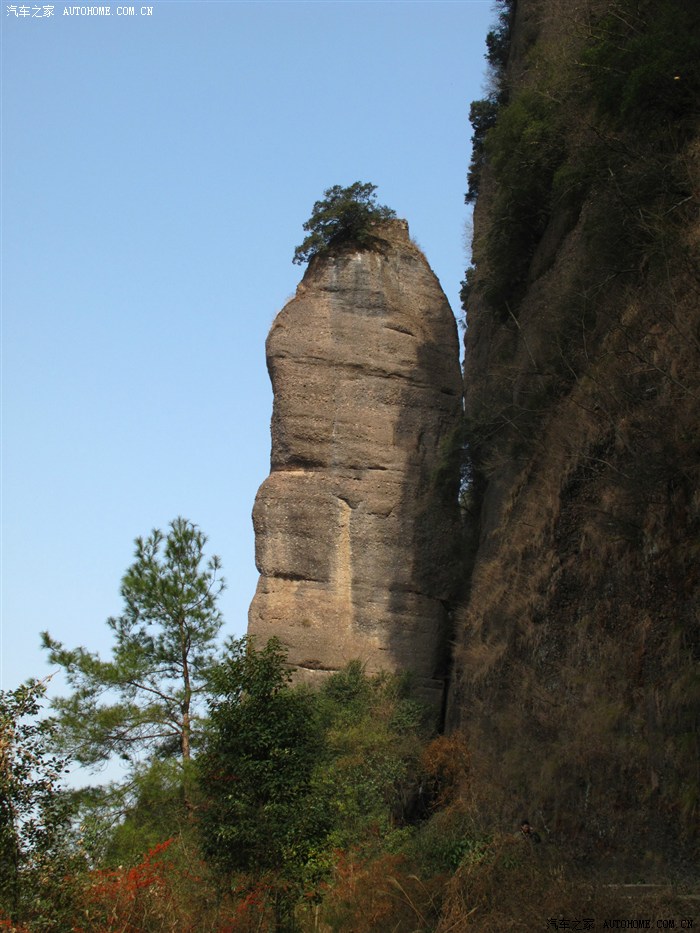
{"x":156,"y":173}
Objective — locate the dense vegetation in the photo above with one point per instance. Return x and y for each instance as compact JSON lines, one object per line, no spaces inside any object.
{"x":297,"y":810}
{"x":332,"y":810}
{"x":606,"y":105}
{"x":253,"y":807}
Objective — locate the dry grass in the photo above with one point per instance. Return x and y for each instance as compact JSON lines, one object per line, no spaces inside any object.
{"x":520,"y":887}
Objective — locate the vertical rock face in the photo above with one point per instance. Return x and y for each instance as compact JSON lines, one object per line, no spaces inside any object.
{"x":576,"y":654}
{"x":357,"y":523}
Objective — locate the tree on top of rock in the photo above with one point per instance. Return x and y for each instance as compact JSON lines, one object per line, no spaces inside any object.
{"x":344,"y":214}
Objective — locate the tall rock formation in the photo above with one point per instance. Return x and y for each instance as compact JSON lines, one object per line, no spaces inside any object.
{"x":356,"y":526}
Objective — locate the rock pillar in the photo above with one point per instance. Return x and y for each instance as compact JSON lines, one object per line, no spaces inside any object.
{"x":356,"y":526}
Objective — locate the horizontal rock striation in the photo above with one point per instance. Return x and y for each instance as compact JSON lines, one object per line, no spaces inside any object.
{"x":356,"y":526}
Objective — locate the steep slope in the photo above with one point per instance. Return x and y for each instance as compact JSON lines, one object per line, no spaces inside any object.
{"x":577,"y":679}
{"x":355,"y":526}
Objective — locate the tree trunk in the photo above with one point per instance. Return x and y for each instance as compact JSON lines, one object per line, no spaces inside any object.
{"x":186,"y":722}
{"x":284,"y":912}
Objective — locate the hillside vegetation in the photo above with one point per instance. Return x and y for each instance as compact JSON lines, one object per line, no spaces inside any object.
{"x":577,"y":684}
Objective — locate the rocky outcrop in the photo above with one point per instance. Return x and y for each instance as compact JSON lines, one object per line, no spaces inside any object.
{"x":356,"y":526}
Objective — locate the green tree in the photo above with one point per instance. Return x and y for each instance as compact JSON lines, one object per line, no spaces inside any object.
{"x":34,"y":812}
{"x":374,"y":733}
{"x":345,"y":214}
{"x":146,"y":698}
{"x":261,"y":815}
{"x":122,"y":820}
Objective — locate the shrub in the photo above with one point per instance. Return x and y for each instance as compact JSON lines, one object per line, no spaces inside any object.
{"x":380,"y":894}
{"x":643,"y":59}
{"x":524,"y":149}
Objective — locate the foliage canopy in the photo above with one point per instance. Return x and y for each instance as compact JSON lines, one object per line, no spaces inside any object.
{"x":34,"y":809}
{"x":163,"y":653}
{"x":260,"y":815}
{"x":263,"y":742}
{"x":343,"y":214}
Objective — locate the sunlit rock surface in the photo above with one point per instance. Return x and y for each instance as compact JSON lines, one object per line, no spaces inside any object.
{"x":356,"y":526}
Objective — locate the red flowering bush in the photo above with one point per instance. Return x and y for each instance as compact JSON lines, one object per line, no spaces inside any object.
{"x":168,"y":891}
{"x":132,"y":900}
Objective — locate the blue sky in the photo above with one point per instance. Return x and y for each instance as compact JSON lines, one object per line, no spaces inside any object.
{"x":156,"y":173}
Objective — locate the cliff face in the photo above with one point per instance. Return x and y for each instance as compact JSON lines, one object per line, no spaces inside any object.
{"x":355,"y":526}
{"x":577,"y":653}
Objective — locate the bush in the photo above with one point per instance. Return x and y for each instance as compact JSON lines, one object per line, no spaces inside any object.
{"x":36,"y":854}
{"x":371,"y":775}
{"x":381,"y":894}
{"x":168,"y":891}
{"x":483,"y":113}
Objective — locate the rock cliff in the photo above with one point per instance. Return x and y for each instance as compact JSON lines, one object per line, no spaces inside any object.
{"x":576,"y":667}
{"x":356,"y":527}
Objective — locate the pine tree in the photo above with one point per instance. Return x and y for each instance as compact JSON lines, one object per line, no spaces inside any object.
{"x":344,"y":214}
{"x":145,"y":699}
